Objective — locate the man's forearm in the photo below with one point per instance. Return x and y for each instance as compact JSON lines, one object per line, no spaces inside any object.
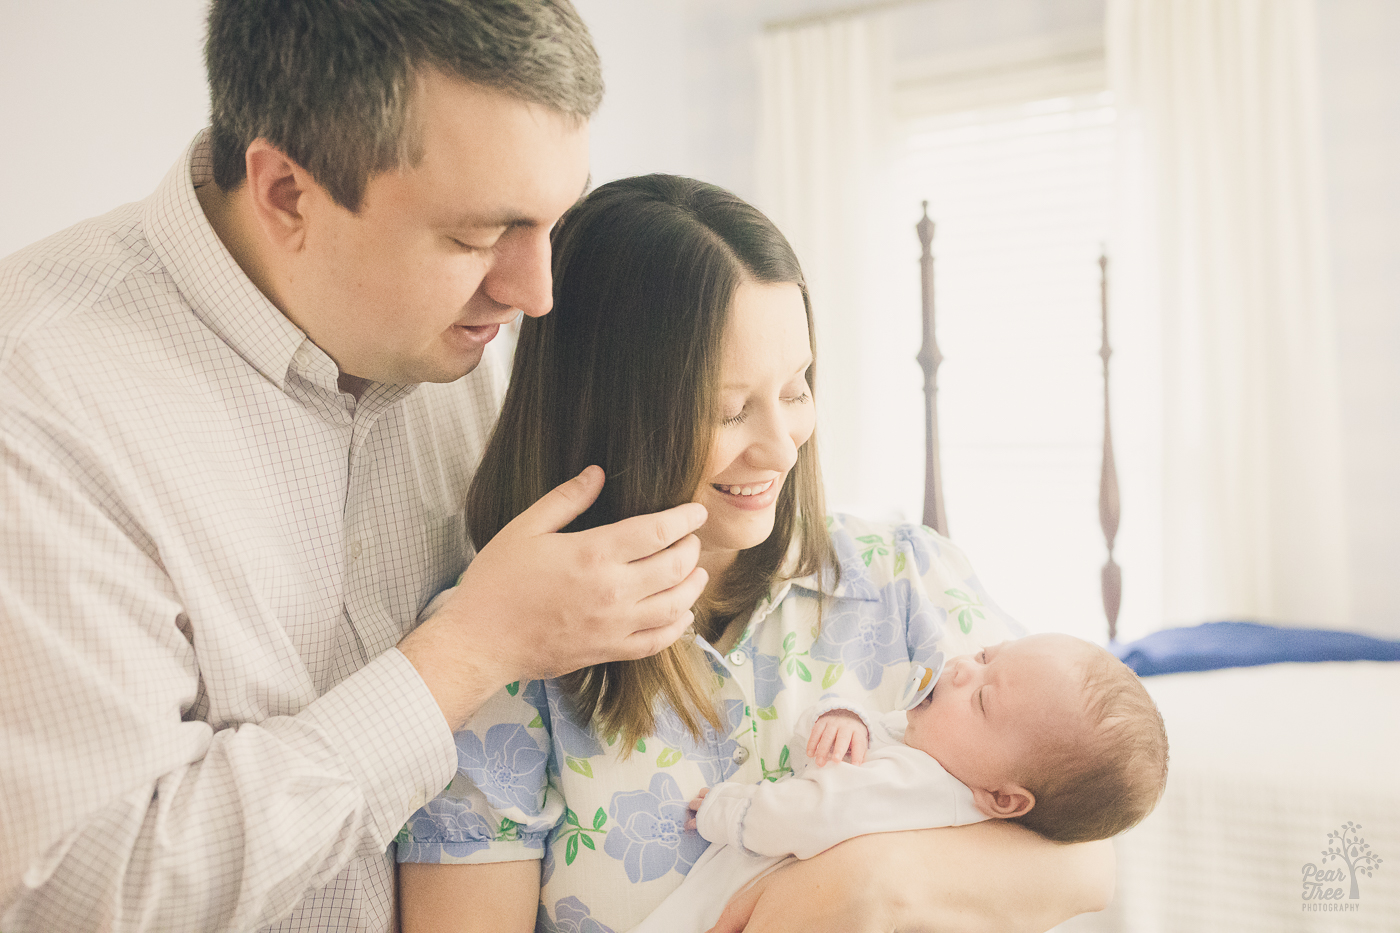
{"x":232,"y":839}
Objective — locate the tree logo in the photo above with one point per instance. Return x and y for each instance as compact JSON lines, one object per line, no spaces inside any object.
{"x":1344,"y":847}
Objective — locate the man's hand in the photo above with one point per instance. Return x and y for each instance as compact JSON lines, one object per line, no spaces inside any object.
{"x":835,"y":734}
{"x":536,"y":603}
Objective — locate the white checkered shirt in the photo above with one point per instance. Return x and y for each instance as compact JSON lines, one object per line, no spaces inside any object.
{"x":207,"y":555}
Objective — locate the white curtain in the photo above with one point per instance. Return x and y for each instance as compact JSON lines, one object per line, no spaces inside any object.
{"x":1219,"y":101}
{"x":821,"y":167}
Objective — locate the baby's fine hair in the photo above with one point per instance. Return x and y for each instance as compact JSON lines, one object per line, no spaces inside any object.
{"x":1104,"y":778}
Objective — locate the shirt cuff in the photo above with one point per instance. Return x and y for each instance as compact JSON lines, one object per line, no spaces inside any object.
{"x":392,"y":736}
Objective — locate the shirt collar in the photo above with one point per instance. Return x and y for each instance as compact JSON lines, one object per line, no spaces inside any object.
{"x":214,"y":285}
{"x":855,"y":582}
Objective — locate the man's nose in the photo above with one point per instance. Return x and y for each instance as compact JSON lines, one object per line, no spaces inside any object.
{"x":520,"y":277}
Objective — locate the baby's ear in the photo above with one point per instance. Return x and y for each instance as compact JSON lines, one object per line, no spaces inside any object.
{"x":1004,"y":803}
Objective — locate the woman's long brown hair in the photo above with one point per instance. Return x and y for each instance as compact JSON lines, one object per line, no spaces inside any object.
{"x":623,"y":373}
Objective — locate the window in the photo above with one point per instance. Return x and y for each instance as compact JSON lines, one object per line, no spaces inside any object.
{"x":1021,"y":198}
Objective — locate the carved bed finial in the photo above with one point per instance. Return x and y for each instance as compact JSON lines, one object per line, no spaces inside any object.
{"x":1111,"y":577}
{"x":934,"y":515}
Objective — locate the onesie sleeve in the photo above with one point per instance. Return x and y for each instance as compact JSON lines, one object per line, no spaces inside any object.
{"x":500,"y":805}
{"x":898,"y":788}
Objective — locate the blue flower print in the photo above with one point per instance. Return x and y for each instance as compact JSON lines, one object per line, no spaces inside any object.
{"x":713,"y":754}
{"x":449,"y":820}
{"x":767,"y":679}
{"x":535,"y":695}
{"x":571,"y":915}
{"x":576,"y":741}
{"x":926,"y":622}
{"x":918,"y":542}
{"x":509,"y":768}
{"x":858,"y":635}
{"x":648,"y":834}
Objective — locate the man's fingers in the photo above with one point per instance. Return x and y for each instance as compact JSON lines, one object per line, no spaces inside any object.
{"x":641,"y":536}
{"x":644,"y":643}
{"x":562,"y":504}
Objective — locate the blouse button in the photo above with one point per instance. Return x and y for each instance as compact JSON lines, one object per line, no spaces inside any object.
{"x":736,"y":658}
{"x":741,"y":755}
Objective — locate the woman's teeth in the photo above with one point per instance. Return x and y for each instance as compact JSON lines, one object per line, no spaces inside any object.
{"x":743,"y":490}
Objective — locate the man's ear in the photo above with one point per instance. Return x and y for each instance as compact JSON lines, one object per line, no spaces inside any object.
{"x":277,"y":189}
{"x":1004,"y":803}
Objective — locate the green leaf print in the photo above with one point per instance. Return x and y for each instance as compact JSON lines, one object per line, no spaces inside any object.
{"x":600,"y":818}
{"x":513,"y":689}
{"x":968,"y":608}
{"x":579,"y":766}
{"x":571,"y":849}
{"x":642,"y":745}
{"x":876,"y":546}
{"x":576,"y":833}
{"x":833,"y":674}
{"x":789,"y":640}
{"x":588,"y":841}
{"x":537,"y":722}
{"x":570,"y":817}
{"x":768,"y":713}
{"x":668,"y":757}
{"x":783,"y":758}
{"x":507,"y":830}
{"x":802,"y":671}
{"x":899,"y":562}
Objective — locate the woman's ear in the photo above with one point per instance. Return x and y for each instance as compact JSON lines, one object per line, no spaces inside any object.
{"x":1004,"y":803}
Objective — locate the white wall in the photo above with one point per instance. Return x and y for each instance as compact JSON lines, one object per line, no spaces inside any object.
{"x":97,"y":101}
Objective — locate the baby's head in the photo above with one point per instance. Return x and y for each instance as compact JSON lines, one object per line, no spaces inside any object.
{"x":1049,"y":731}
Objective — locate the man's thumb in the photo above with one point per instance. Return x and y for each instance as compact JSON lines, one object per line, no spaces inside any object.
{"x":563,"y":503}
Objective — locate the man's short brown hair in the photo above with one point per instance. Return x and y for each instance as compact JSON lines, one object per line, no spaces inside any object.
{"x":331,"y":82}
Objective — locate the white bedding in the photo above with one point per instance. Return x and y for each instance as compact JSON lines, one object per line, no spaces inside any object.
{"x":1265,"y":762}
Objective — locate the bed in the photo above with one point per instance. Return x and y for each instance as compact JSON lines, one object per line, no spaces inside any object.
{"x":1285,"y":751}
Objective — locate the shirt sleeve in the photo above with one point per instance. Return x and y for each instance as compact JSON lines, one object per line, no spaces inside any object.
{"x":120,"y":812}
{"x":898,"y":788}
{"x":501,"y":805}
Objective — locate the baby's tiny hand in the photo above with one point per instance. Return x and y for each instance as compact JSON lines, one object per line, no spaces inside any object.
{"x":835,"y":734}
{"x":695,"y":805}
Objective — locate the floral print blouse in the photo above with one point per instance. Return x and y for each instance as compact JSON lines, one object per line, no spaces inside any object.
{"x":532,"y":783}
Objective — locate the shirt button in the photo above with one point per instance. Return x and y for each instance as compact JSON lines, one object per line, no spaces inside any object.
{"x":354,"y":550}
{"x":302,"y":357}
{"x":736,"y":658}
{"x":741,"y":755}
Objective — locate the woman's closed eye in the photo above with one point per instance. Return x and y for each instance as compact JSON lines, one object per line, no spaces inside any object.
{"x":743,"y":413}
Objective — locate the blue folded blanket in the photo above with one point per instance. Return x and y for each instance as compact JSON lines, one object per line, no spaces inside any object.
{"x":1214,"y":645}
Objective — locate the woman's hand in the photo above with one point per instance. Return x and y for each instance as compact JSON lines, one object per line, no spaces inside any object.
{"x":992,"y":876}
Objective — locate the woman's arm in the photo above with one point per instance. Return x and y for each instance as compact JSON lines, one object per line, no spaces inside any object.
{"x":991,"y":877}
{"x":497,"y":897}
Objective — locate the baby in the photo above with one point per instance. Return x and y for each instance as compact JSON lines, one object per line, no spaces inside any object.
{"x":1049,"y":731}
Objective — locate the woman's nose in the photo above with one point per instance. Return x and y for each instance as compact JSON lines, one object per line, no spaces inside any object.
{"x":773,"y":447}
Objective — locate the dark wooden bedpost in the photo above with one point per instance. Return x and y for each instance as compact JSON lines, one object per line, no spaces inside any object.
{"x":1112,"y":574}
{"x":934,"y":515}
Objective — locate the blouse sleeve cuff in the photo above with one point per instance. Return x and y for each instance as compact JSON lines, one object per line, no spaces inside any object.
{"x":471,"y":852}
